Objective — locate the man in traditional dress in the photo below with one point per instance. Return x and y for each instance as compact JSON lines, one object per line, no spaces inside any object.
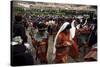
{"x":40,"y":43}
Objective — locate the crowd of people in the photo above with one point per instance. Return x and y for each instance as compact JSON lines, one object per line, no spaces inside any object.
{"x":72,"y":36}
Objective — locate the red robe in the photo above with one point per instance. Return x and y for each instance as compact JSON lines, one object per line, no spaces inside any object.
{"x":63,"y":49}
{"x":41,"y":50}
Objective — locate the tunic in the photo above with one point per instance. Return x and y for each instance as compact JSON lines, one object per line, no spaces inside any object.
{"x":41,"y":45}
{"x":62,"y":48}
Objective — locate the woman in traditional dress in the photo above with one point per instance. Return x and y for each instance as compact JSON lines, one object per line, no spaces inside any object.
{"x":64,"y":44}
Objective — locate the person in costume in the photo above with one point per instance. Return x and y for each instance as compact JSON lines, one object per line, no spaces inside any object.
{"x":64,"y":44}
{"x":40,"y":43}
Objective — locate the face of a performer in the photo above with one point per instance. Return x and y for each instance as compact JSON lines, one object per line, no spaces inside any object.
{"x":41,"y":29}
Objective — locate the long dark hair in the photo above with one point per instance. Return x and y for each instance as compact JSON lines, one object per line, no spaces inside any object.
{"x":68,"y":27}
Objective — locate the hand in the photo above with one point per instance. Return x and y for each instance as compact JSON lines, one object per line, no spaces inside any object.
{"x":43,"y":43}
{"x":67,"y":43}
